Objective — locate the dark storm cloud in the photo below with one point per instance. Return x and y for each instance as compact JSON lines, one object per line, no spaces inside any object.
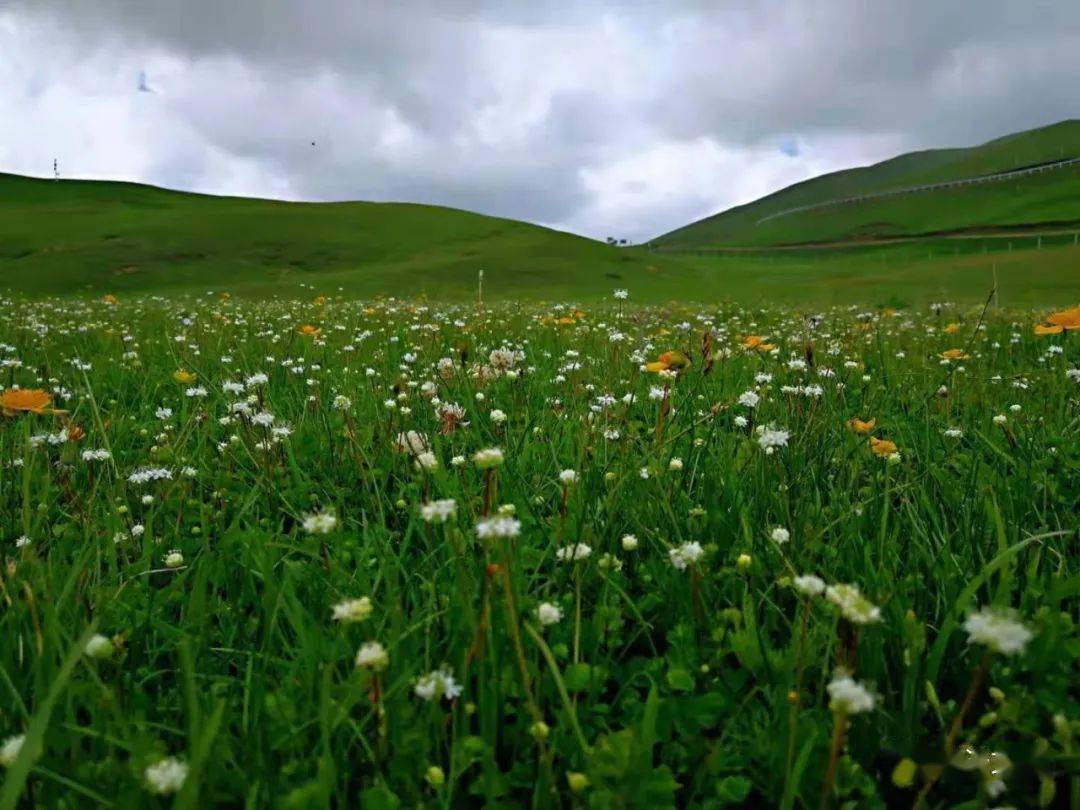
{"x":624,"y":118}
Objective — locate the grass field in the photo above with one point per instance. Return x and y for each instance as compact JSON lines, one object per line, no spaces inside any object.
{"x":90,"y":238}
{"x":262,"y":554}
{"x":1040,"y":200}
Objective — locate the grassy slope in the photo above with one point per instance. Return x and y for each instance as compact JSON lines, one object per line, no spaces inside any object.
{"x":85,"y":236}
{"x":82,"y":238}
{"x":1049,"y":197}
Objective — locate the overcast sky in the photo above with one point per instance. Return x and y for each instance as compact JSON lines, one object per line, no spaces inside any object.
{"x":603,"y":118}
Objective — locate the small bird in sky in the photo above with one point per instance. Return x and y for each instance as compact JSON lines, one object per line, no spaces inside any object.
{"x":144,"y":86}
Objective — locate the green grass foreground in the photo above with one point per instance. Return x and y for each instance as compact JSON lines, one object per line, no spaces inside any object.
{"x":261,"y":555}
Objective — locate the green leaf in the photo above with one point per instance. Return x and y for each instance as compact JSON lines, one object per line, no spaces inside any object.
{"x":680,"y":680}
{"x":379,"y":798}
{"x":733,"y":789}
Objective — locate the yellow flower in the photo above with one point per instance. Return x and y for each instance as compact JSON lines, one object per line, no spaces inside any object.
{"x":307,"y":330}
{"x":859,"y":426}
{"x":953,"y":354}
{"x":673,"y":360}
{"x":1058,"y":322}
{"x":27,"y":400}
{"x":109,"y":299}
{"x":184,"y":377}
{"x":882,"y":447}
{"x":320,"y":300}
{"x":757,"y":342}
{"x":952,"y":327}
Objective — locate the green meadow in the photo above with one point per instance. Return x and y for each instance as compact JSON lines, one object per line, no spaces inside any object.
{"x":321,"y":552}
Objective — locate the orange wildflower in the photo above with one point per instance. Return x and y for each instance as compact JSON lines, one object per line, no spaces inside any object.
{"x":859,"y":426}
{"x":954,"y":354}
{"x":669,"y":361}
{"x":307,"y":330}
{"x":757,"y":342}
{"x":952,"y":327}
{"x":1058,"y":322}
{"x":882,"y":447}
{"x":26,"y":400}
{"x":184,"y":377}
{"x":320,"y":300}
{"x":109,"y":298}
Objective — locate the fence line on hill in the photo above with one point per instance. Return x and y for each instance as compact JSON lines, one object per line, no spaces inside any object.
{"x":966,"y":181}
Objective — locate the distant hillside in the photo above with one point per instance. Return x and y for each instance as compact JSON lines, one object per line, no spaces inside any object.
{"x":89,"y":236}
{"x":821,"y":210}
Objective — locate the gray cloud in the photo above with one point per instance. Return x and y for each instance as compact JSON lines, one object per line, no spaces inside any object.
{"x":604,"y":118}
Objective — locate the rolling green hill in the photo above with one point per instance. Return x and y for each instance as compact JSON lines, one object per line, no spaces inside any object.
{"x":90,"y":237}
{"x":1047,"y":199}
{"x":77,"y":236}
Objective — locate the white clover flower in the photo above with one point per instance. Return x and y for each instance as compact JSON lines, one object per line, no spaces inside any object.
{"x":621,"y":295}
{"x":629,"y":542}
{"x":320,"y":523}
{"x":749,"y":399}
{"x":411,"y":441}
{"x":685,"y":555}
{"x":780,"y":535}
{"x":350,"y":611}
{"x":174,"y":559}
{"x":568,"y":476}
{"x":145,"y":475}
{"x":372,"y":655}
{"x":96,"y":455}
{"x":998,"y":630}
{"x":437,"y":683}
{"x":426,"y":461}
{"x":166,"y":776}
{"x":489,"y":458}
{"x":771,"y":437}
{"x":1000,"y":419}
{"x":675,"y":465}
{"x":341,"y":403}
{"x":438,"y":511}
{"x":809,"y":585}
{"x":741,"y":421}
{"x":498,"y":526}
{"x":854,"y":607}
{"x":573,"y":552}
{"x":548,"y":613}
{"x":954,"y":433}
{"x":848,"y":696}
{"x":9,"y":751}
{"x":497,"y":416}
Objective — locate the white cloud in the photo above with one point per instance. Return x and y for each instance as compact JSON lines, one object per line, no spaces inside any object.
{"x":617,"y":118}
